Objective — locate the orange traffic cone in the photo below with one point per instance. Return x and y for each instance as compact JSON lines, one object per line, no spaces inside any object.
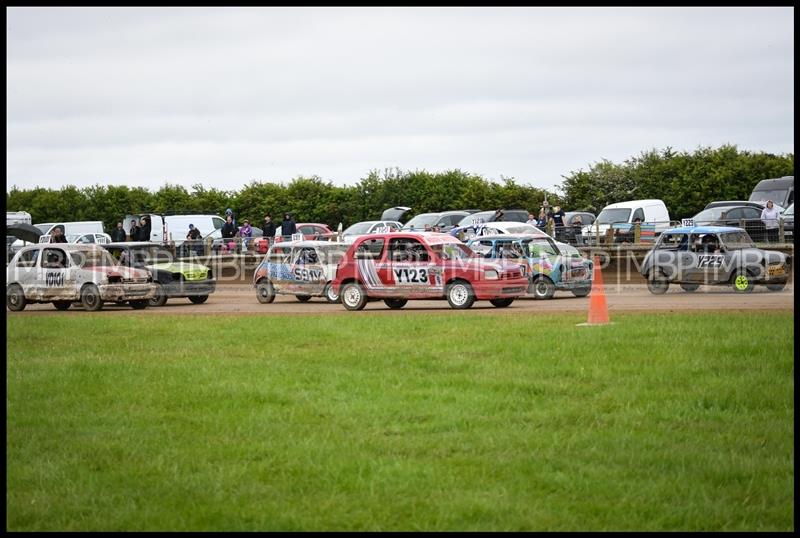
{"x":598,"y":309}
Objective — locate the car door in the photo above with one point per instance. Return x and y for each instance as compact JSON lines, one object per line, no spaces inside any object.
{"x":407,"y":268}
{"x":309,"y":275}
{"x":708,"y":261}
{"x":55,"y":277}
{"x":279,"y":268}
{"x":24,"y":271}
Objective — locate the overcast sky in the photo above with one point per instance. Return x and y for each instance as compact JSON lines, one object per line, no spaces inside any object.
{"x":223,"y":96}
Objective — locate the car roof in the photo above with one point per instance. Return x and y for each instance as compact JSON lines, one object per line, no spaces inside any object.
{"x":309,"y":243}
{"x":129,"y":244}
{"x":65,"y":246}
{"x":431,"y":238}
{"x":508,"y":237}
{"x":704,"y":229}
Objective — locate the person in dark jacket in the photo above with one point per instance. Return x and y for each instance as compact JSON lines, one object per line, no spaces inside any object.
{"x":118,"y":233}
{"x":288,"y":227}
{"x":57,"y":235}
{"x":143,"y":234}
{"x":228,"y":229}
{"x":268,"y":227}
{"x":134,"y":232}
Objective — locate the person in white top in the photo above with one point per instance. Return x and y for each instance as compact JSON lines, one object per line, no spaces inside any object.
{"x":769,"y":216}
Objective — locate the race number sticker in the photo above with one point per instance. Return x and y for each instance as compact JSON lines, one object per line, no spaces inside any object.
{"x":308,"y":275}
{"x":410,"y":276}
{"x":54,"y":278}
{"x":709,"y":260}
{"x":687,"y":222}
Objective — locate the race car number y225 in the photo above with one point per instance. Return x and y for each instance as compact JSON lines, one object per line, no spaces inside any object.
{"x":411,"y":275}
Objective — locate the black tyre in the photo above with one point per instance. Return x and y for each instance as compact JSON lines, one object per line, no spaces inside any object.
{"x":198,"y":299}
{"x":542,"y":288}
{"x":15,"y":298}
{"x":303,"y":298}
{"x":395,"y":304}
{"x":581,"y":292}
{"x":329,"y":295}
{"x":353,"y":296}
{"x":501,"y":303}
{"x":460,"y":295}
{"x":657,"y":283}
{"x":776,"y":286}
{"x":90,"y":298}
{"x":139,"y":305}
{"x":690,"y":287}
{"x":160,"y":297}
{"x":62,"y":305}
{"x":742,"y":282}
{"x":264,"y":291}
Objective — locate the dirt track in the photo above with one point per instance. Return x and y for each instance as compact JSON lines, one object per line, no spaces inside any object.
{"x":241,"y":299}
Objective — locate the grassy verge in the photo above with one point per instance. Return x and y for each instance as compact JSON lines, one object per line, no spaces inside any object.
{"x":407,"y":422}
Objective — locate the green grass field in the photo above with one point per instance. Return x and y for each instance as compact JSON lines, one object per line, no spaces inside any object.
{"x":400,"y":422}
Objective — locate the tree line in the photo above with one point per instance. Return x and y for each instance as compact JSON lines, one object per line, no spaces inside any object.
{"x":685,"y":181}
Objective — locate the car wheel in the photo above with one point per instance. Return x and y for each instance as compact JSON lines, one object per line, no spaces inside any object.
{"x":776,"y":286}
{"x":62,"y":305}
{"x":198,"y":299}
{"x":139,"y":305}
{"x":90,"y":298}
{"x":657,"y":283}
{"x":303,"y":298}
{"x":501,"y":303}
{"x":395,"y":304}
{"x":742,"y":282}
{"x":264,"y":291}
{"x":460,"y":295}
{"x":690,"y":287}
{"x":15,"y":298}
{"x":542,"y":288}
{"x":330,"y":296}
{"x":581,"y":292}
{"x":353,"y":297}
{"x":160,"y":297}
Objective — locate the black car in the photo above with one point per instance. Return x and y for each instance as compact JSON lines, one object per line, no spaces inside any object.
{"x":173,"y":277}
{"x":745,"y":216}
{"x":571,"y":232}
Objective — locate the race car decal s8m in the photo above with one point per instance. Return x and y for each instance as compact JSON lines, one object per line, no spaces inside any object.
{"x":710,"y":260}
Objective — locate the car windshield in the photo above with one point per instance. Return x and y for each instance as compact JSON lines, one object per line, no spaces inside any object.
{"x":569,"y":251}
{"x":453,"y":251}
{"x":523,"y":229}
{"x":737,"y":240}
{"x":421,"y":221}
{"x":712,"y":214}
{"x":789,"y":211}
{"x":92,"y":258}
{"x":476,"y":218}
{"x":359,"y":228}
{"x":145,"y":256}
{"x":610,"y":216}
{"x":777,"y":196}
{"x":538,"y":246}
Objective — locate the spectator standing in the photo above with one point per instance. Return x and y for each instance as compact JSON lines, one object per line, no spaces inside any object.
{"x":134,"y":232}
{"x":577,"y":229}
{"x":193,"y":237}
{"x":228,"y":229}
{"x":558,"y":222}
{"x":532,"y":220}
{"x":288,"y":227}
{"x":246,"y":233}
{"x":269,"y":227}
{"x":143,"y":233}
{"x":769,"y":216}
{"x":228,"y":212}
{"x":541,"y":220}
{"x":118,"y":233}
{"x":57,"y":235}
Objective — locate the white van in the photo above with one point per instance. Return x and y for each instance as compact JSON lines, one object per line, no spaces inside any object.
{"x":18,"y":217}
{"x":71,"y":230}
{"x":649,"y":211}
{"x":174,"y":227}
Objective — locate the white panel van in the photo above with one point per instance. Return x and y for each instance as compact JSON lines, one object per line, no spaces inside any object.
{"x":649,"y":211}
{"x":175,"y":227}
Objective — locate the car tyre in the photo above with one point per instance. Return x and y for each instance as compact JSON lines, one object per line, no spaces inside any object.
{"x":330,"y":296}
{"x":395,"y":304}
{"x":542,"y":288}
{"x":303,"y":298}
{"x":264,"y":291}
{"x":657,"y":283}
{"x":139,"y":305}
{"x":460,"y":295}
{"x":742,"y":282}
{"x":15,"y":298}
{"x":90,"y":298}
{"x":198,"y":299}
{"x":581,"y":292}
{"x":776,"y":286}
{"x":62,"y":305}
{"x":690,"y":287}
{"x":353,"y":296}
{"x":501,"y":303}
{"x":160,"y":296}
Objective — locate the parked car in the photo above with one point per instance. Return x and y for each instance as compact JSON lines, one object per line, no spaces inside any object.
{"x":507,"y":215}
{"x":369,"y":227}
{"x":494,"y":228}
{"x":621,"y":216}
{"x":780,"y":190}
{"x":724,"y":203}
{"x":435,"y":222}
{"x":572,"y":232}
{"x":788,"y":223}
{"x":551,"y":265}
{"x":401,"y":266}
{"x":713,"y":255}
{"x":172,"y":278}
{"x":312,"y":231}
{"x":746,"y":216}
{"x":174,"y":227}
{"x":65,"y":273}
{"x":304,"y":269}
{"x":397,"y":213}
{"x":83,"y":239}
{"x":68,"y":228}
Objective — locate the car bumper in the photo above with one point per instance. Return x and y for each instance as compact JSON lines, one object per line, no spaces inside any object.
{"x":500,"y":289}
{"x":188,"y":288}
{"x":127,"y":292}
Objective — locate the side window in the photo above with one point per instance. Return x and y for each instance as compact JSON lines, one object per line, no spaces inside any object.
{"x":86,"y":238}
{"x":218,"y":222}
{"x":306,"y":256}
{"x":407,"y":250}
{"x":639,"y":213}
{"x":734,"y":214}
{"x":28,"y":259}
{"x":307,"y":230}
{"x":280,"y":255}
{"x":370,"y":249}
{"x":508,"y":249}
{"x":673,"y":242}
{"x":391,"y":225}
{"x":54,"y":258}
{"x":751,"y":213}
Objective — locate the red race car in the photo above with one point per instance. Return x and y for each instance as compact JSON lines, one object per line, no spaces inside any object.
{"x":397,"y":267}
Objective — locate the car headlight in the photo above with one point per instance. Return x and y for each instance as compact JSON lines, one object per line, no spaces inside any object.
{"x":491,"y":274}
